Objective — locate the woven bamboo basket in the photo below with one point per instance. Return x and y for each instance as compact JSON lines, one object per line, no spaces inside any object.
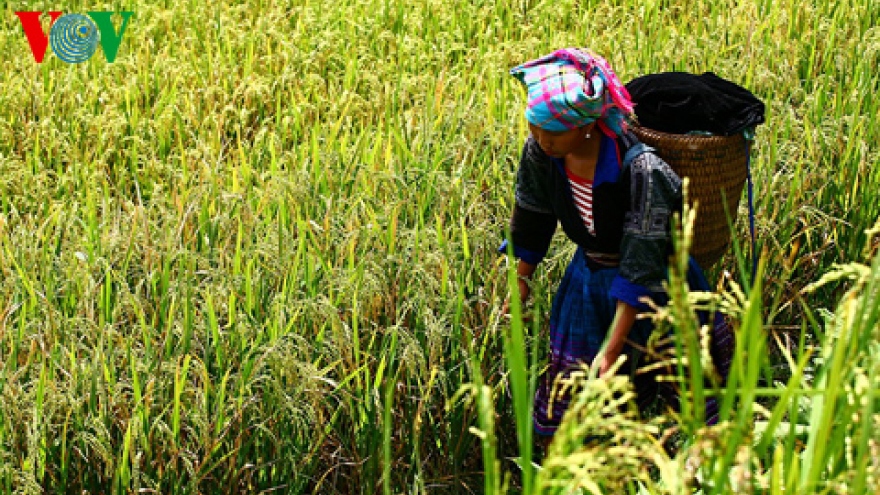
{"x":717,"y":167}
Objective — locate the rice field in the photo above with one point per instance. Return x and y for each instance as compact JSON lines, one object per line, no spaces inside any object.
{"x":257,"y":254}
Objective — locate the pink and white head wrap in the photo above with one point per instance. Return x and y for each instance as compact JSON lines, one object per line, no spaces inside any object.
{"x":571,"y":88}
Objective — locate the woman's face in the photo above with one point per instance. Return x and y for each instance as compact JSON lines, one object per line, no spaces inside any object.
{"x":559,"y":144}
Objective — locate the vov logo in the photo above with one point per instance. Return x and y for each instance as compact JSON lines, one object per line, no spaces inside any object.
{"x":74,"y":37}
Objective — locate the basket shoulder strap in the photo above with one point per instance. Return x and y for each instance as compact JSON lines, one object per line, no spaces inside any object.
{"x":632,"y":148}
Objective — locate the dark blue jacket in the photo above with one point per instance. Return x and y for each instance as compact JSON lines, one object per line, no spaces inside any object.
{"x":635,"y":194}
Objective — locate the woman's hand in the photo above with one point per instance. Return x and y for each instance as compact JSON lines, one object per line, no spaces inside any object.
{"x":524,"y":292}
{"x":524,"y":273}
{"x":605,"y":361}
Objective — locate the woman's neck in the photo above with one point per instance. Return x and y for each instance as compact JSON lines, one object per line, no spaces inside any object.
{"x":582,"y":160}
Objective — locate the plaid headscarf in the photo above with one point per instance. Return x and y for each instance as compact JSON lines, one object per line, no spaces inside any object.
{"x":571,"y":88}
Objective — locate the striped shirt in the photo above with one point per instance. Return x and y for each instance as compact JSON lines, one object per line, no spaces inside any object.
{"x":582,"y":190}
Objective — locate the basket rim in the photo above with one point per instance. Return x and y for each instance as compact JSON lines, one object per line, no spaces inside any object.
{"x":637,"y":128}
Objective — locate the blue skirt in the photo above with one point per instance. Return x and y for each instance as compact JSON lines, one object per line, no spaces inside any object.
{"x":582,"y":313}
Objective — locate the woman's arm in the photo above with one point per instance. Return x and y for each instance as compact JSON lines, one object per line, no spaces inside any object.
{"x":624,"y":318}
{"x":533,"y":222}
{"x":655,"y":193}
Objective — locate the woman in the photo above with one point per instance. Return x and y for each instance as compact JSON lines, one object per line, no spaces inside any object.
{"x":614,"y":198}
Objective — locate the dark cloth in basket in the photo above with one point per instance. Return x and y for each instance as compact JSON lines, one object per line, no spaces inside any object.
{"x":680,"y":102}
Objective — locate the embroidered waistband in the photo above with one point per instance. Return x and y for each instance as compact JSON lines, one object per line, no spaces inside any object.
{"x":597,"y":261}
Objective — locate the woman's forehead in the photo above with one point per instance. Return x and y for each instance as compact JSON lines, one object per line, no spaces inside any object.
{"x":536,"y":129}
